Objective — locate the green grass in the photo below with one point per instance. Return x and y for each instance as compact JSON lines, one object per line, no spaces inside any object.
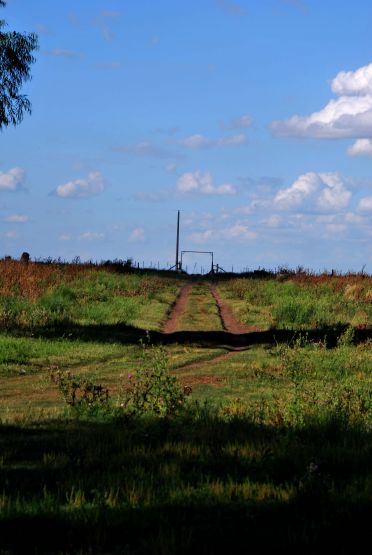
{"x":271,"y":452}
{"x":98,"y":298}
{"x":201,"y":312}
{"x":291,"y":305}
{"x":200,"y":482}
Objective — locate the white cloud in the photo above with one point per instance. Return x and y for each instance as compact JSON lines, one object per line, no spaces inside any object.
{"x":65,"y":237}
{"x":12,"y":180}
{"x":365,"y":204}
{"x":199,"y":182}
{"x":92,"y":185}
{"x":233,"y":140}
{"x":195,"y":141}
{"x":325,"y":191}
{"x":273,"y":221}
{"x":334,"y":231}
{"x":361,"y":147}
{"x":354,"y":219}
{"x":200,"y":141}
{"x":238,"y":231}
{"x":137,"y":235}
{"x":91,"y":236}
{"x":234,"y":232}
{"x":349,"y":115}
{"x":353,"y":82}
{"x":17,"y":218}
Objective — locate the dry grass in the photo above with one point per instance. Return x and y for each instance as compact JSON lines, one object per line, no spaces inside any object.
{"x":31,"y":280}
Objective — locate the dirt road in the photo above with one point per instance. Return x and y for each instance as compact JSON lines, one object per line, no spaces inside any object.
{"x":227,"y":319}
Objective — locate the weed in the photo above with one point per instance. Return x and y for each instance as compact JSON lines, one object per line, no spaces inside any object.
{"x":83,"y":396}
{"x":150,"y":388}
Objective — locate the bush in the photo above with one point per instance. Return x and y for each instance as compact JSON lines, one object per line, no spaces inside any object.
{"x":151,"y":389}
{"x":82,"y":395}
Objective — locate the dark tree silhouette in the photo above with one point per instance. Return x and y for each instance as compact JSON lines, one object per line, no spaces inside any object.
{"x":15,"y":60}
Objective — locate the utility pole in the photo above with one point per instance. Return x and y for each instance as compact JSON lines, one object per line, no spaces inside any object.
{"x":178,"y":241}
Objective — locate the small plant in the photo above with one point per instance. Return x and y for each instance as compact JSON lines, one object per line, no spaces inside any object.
{"x":347,"y":338}
{"x":151,"y":389}
{"x":82,"y":395}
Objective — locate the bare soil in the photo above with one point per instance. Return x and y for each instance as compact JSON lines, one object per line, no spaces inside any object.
{"x":229,"y":322}
{"x":177,"y":310}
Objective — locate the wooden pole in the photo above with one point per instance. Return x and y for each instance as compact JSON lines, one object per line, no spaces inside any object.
{"x":178,"y":241}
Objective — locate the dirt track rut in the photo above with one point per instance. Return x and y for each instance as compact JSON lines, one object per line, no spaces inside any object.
{"x":228,"y":320}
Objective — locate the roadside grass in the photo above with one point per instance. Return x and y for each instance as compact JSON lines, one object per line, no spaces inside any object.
{"x":94,"y":297}
{"x":201,"y":312}
{"x":304,"y":303}
{"x":271,"y":451}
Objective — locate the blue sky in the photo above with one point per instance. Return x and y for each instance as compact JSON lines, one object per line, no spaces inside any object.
{"x":252,"y":118}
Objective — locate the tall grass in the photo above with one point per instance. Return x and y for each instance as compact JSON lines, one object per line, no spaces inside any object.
{"x":41,"y":295}
{"x":303,"y":302}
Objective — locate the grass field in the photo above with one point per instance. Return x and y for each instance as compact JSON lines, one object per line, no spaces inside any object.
{"x":117,"y":438}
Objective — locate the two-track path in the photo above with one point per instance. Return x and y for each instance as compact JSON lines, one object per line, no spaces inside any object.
{"x":227,"y":319}
{"x":228,"y":328}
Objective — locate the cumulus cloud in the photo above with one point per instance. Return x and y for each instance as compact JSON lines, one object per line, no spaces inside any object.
{"x":235,"y":232}
{"x":200,"y":141}
{"x":348,"y":116}
{"x":137,"y":235}
{"x":353,"y":82}
{"x":201,"y":182}
{"x":92,"y":185}
{"x":12,"y":180}
{"x":361,"y":147}
{"x":325,"y":191}
{"x":365,"y":204}
{"x":17,"y":218}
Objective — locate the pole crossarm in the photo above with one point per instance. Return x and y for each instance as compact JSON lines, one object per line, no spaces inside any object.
{"x":200,"y":252}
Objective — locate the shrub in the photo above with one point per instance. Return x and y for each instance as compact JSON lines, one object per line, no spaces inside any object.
{"x":151,"y":389}
{"x":82,"y":395}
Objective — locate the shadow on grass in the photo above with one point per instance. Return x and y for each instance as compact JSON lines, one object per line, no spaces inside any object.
{"x":191,"y":484}
{"x":120,"y":333}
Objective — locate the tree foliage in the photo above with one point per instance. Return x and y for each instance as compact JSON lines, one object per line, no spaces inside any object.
{"x":16,"y":57}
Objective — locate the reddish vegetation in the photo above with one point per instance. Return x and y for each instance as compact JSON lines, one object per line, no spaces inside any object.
{"x":31,"y":279}
{"x":337,"y":282}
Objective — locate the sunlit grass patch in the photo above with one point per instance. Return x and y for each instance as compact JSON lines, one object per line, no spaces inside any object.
{"x":201,"y":312}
